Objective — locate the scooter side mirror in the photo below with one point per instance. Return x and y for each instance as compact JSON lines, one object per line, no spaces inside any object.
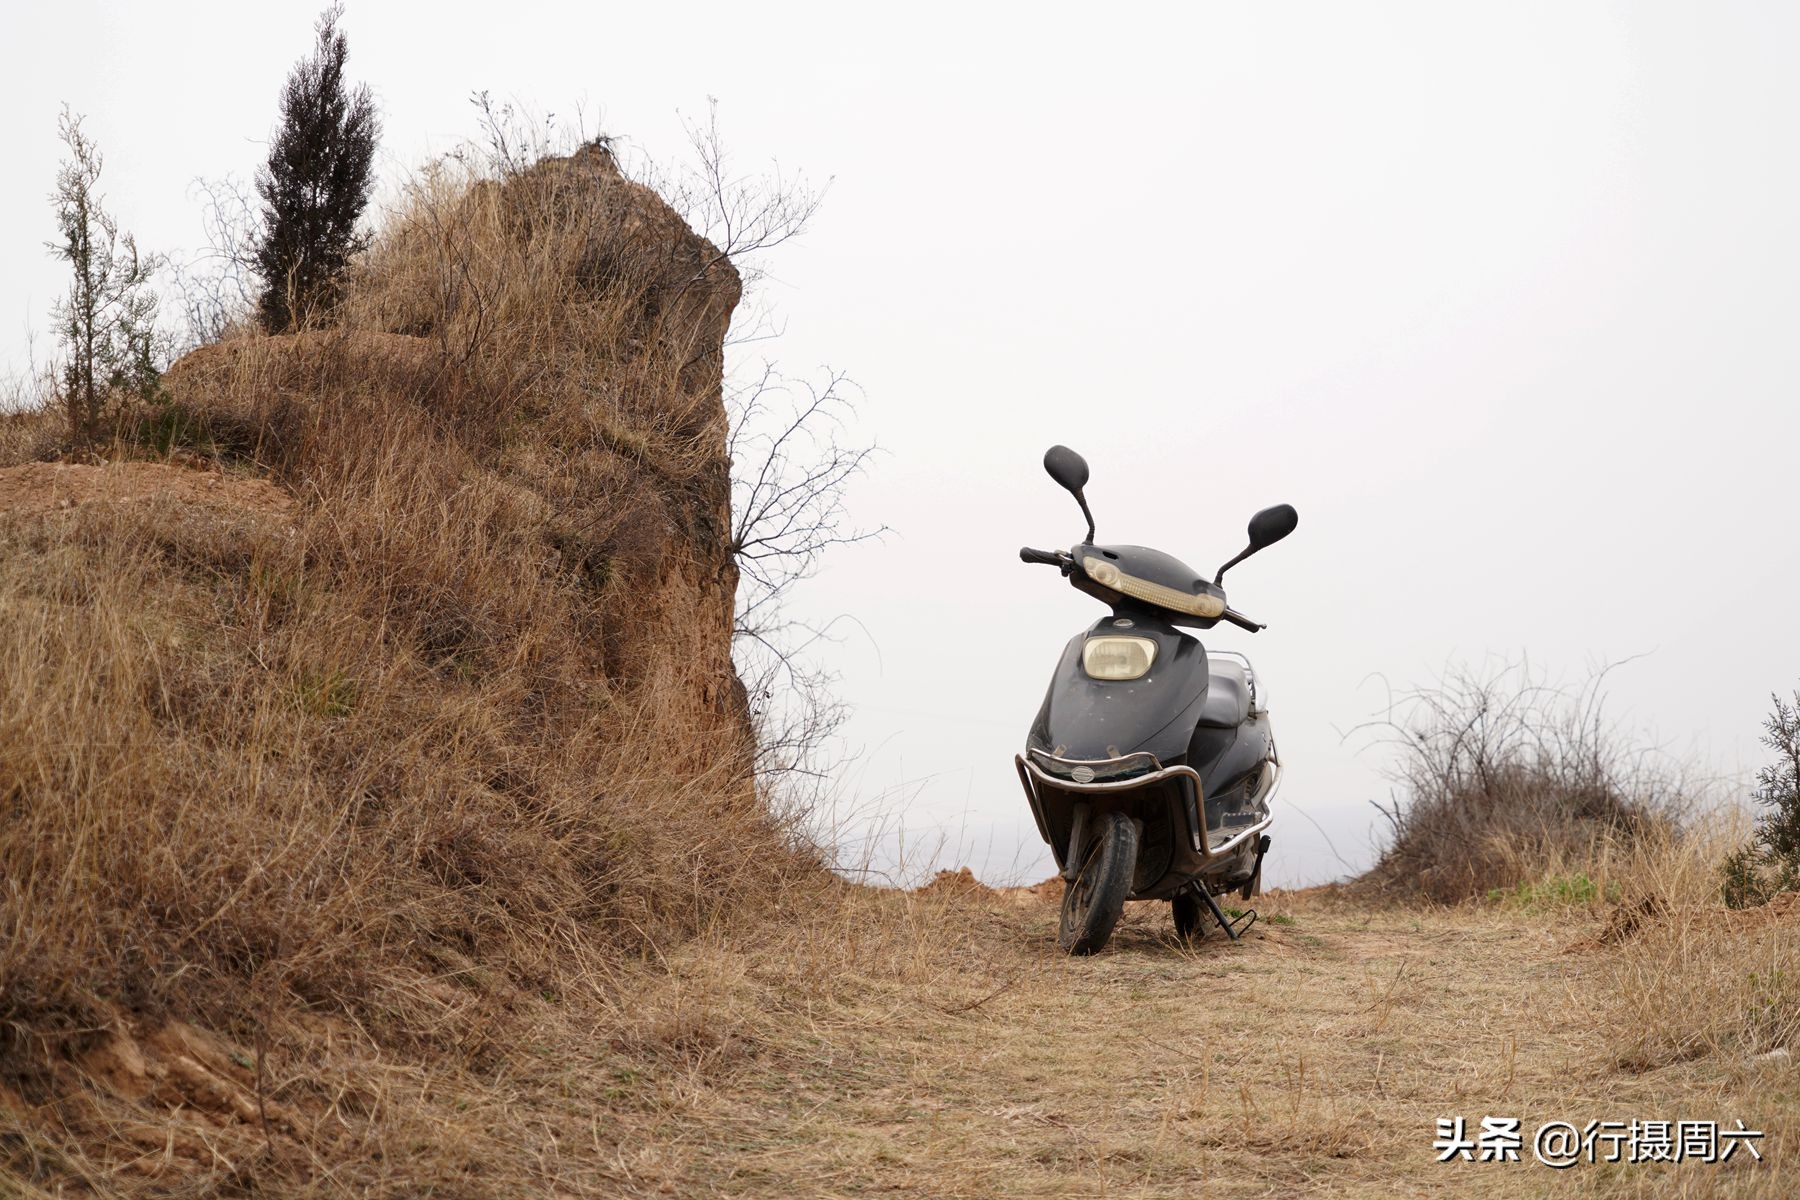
{"x":1271,"y":525}
{"x":1066,"y":467}
{"x":1266,"y":528}
{"x":1071,"y":471}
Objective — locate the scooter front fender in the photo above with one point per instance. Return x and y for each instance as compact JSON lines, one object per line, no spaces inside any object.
{"x":1087,"y":718}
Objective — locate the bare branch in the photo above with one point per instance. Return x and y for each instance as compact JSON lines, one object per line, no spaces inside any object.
{"x":217,"y":287}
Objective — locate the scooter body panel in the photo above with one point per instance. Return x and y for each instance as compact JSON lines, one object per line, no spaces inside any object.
{"x":1106,"y":728}
{"x":1086,"y":718}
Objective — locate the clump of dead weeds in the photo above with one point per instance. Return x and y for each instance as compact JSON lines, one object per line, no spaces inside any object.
{"x":1510,"y":787}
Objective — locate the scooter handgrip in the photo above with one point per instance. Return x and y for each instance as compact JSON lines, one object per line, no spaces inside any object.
{"x":1048,"y":557}
{"x":1242,"y":622}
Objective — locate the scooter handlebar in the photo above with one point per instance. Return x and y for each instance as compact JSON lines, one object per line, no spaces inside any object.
{"x":1241,"y":621}
{"x":1056,"y":558}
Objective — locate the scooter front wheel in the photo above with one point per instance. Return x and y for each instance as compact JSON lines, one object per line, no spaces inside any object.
{"x":1094,"y":899}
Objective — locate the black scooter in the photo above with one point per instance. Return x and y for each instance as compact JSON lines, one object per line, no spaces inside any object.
{"x":1150,"y":766}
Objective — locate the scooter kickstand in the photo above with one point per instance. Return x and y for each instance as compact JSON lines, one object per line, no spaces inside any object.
{"x":1231,"y":931}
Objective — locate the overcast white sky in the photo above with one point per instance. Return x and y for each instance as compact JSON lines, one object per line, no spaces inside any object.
{"x":1501,"y":296}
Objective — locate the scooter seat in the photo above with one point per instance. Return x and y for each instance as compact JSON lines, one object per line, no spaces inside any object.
{"x":1227,"y":703}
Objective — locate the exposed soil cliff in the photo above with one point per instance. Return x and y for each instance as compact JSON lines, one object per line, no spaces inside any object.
{"x":398,"y":696}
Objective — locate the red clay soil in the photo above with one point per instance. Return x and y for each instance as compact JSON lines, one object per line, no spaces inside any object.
{"x":961,"y":882}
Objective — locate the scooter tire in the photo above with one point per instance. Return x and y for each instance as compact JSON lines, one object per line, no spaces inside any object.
{"x":1095,"y":898}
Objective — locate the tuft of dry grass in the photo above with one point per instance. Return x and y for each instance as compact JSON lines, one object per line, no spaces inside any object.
{"x":28,"y":433}
{"x":1690,"y":978}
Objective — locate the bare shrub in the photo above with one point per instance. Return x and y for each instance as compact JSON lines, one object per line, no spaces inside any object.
{"x":107,"y":321}
{"x":216,"y":288}
{"x":1506,"y":779}
{"x":791,"y":468}
{"x":744,"y":215}
{"x":31,"y":427}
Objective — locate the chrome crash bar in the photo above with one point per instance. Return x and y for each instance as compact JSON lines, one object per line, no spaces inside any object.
{"x":1032,"y":776}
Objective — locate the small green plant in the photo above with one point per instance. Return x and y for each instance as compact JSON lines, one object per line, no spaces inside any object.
{"x":1558,"y":890}
{"x":1281,"y":919}
{"x":1770,"y":862}
{"x":625,"y":1084}
{"x":325,"y":693}
{"x":1743,"y":884}
{"x":171,"y":426}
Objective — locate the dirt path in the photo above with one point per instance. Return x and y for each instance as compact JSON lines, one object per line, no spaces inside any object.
{"x":1312,"y":1058}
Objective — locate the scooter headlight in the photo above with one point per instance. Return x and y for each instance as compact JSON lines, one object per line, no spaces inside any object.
{"x":1117,"y":658}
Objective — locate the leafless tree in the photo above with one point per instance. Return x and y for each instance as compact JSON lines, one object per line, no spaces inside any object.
{"x":792,"y":456}
{"x":217,"y":287}
{"x":791,"y":468}
{"x":743,"y":214}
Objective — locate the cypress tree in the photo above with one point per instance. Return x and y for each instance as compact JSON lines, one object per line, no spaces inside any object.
{"x":315,"y":185}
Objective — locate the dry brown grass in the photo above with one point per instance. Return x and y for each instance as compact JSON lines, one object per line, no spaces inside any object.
{"x":1691,"y":979}
{"x":462,"y":730}
{"x":27,"y":433}
{"x":865,"y":1042}
{"x":961,"y":1055}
